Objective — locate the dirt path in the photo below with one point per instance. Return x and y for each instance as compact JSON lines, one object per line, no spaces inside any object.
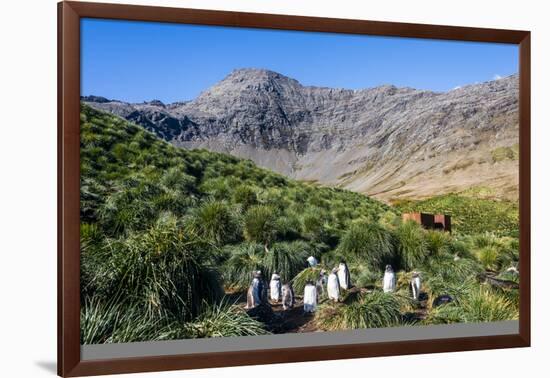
{"x":277,"y":320}
{"x":294,"y":320}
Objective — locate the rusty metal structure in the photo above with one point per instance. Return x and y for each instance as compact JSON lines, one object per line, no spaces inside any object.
{"x":430,"y":221}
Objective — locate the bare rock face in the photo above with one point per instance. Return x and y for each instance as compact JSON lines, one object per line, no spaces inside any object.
{"x":387,"y":142}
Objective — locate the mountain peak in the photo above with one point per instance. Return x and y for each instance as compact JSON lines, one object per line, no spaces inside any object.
{"x":257,"y":75}
{"x":155,"y":103}
{"x":247,"y":80}
{"x":255,"y":72}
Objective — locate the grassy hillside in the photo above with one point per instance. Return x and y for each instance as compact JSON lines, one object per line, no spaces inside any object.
{"x":166,"y":233}
{"x":167,"y":229}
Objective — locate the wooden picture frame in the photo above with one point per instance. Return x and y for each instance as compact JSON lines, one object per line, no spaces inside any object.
{"x":69,"y":15}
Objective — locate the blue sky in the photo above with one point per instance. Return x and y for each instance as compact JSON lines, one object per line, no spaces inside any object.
{"x":140,"y":61}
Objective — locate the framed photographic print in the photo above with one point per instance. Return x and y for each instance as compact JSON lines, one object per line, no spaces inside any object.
{"x":240,"y":188}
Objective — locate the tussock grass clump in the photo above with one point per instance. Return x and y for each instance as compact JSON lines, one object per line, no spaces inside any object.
{"x":480,"y":305}
{"x":488,"y":256}
{"x":287,"y":259}
{"x":363,"y":276}
{"x":244,"y":259}
{"x":458,"y":290}
{"x":259,"y":224}
{"x":117,"y":321}
{"x":508,"y":255}
{"x":371,"y":310}
{"x":163,"y":268}
{"x":451,"y":270}
{"x":314,"y":223}
{"x":130,"y":207}
{"x":215,"y":221}
{"x":483,"y":240}
{"x":288,"y":227}
{"x":461,"y":249}
{"x":222,"y":320}
{"x":245,"y":195}
{"x":177,"y":179}
{"x":390,"y":220}
{"x":368,"y":242}
{"x":438,"y":242}
{"x":495,"y":253}
{"x":412,"y":245}
{"x":444,"y":275}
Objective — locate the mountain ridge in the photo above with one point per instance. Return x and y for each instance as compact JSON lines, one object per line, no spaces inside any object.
{"x":385,"y":141}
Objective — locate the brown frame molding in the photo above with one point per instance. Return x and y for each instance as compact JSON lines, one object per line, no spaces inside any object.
{"x":69,"y":14}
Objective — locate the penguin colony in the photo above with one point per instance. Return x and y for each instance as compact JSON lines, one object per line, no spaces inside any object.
{"x":338,"y":280}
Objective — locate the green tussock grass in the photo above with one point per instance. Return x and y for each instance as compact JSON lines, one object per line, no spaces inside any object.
{"x":371,"y":310}
{"x":368,"y":242}
{"x":221,"y":320}
{"x":478,"y":305}
{"x":412,"y":245}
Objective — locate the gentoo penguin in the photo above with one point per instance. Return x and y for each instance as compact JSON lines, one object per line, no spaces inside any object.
{"x":310,"y":297}
{"x":312,"y":261}
{"x":388,"y":283}
{"x":343,"y":276}
{"x":288,"y":296}
{"x":275,"y":287}
{"x":333,"y":286}
{"x":415,"y":285}
{"x":256,"y":294}
{"x":321,"y":282}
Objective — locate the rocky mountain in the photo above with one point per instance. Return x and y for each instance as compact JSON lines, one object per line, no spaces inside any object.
{"x":386,"y":142}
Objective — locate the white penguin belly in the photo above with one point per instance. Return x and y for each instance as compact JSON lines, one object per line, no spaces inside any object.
{"x":343,"y":277}
{"x":310,"y":298}
{"x":333,"y":287}
{"x":275,"y":289}
{"x":389,"y":282}
{"x":416,"y":287}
